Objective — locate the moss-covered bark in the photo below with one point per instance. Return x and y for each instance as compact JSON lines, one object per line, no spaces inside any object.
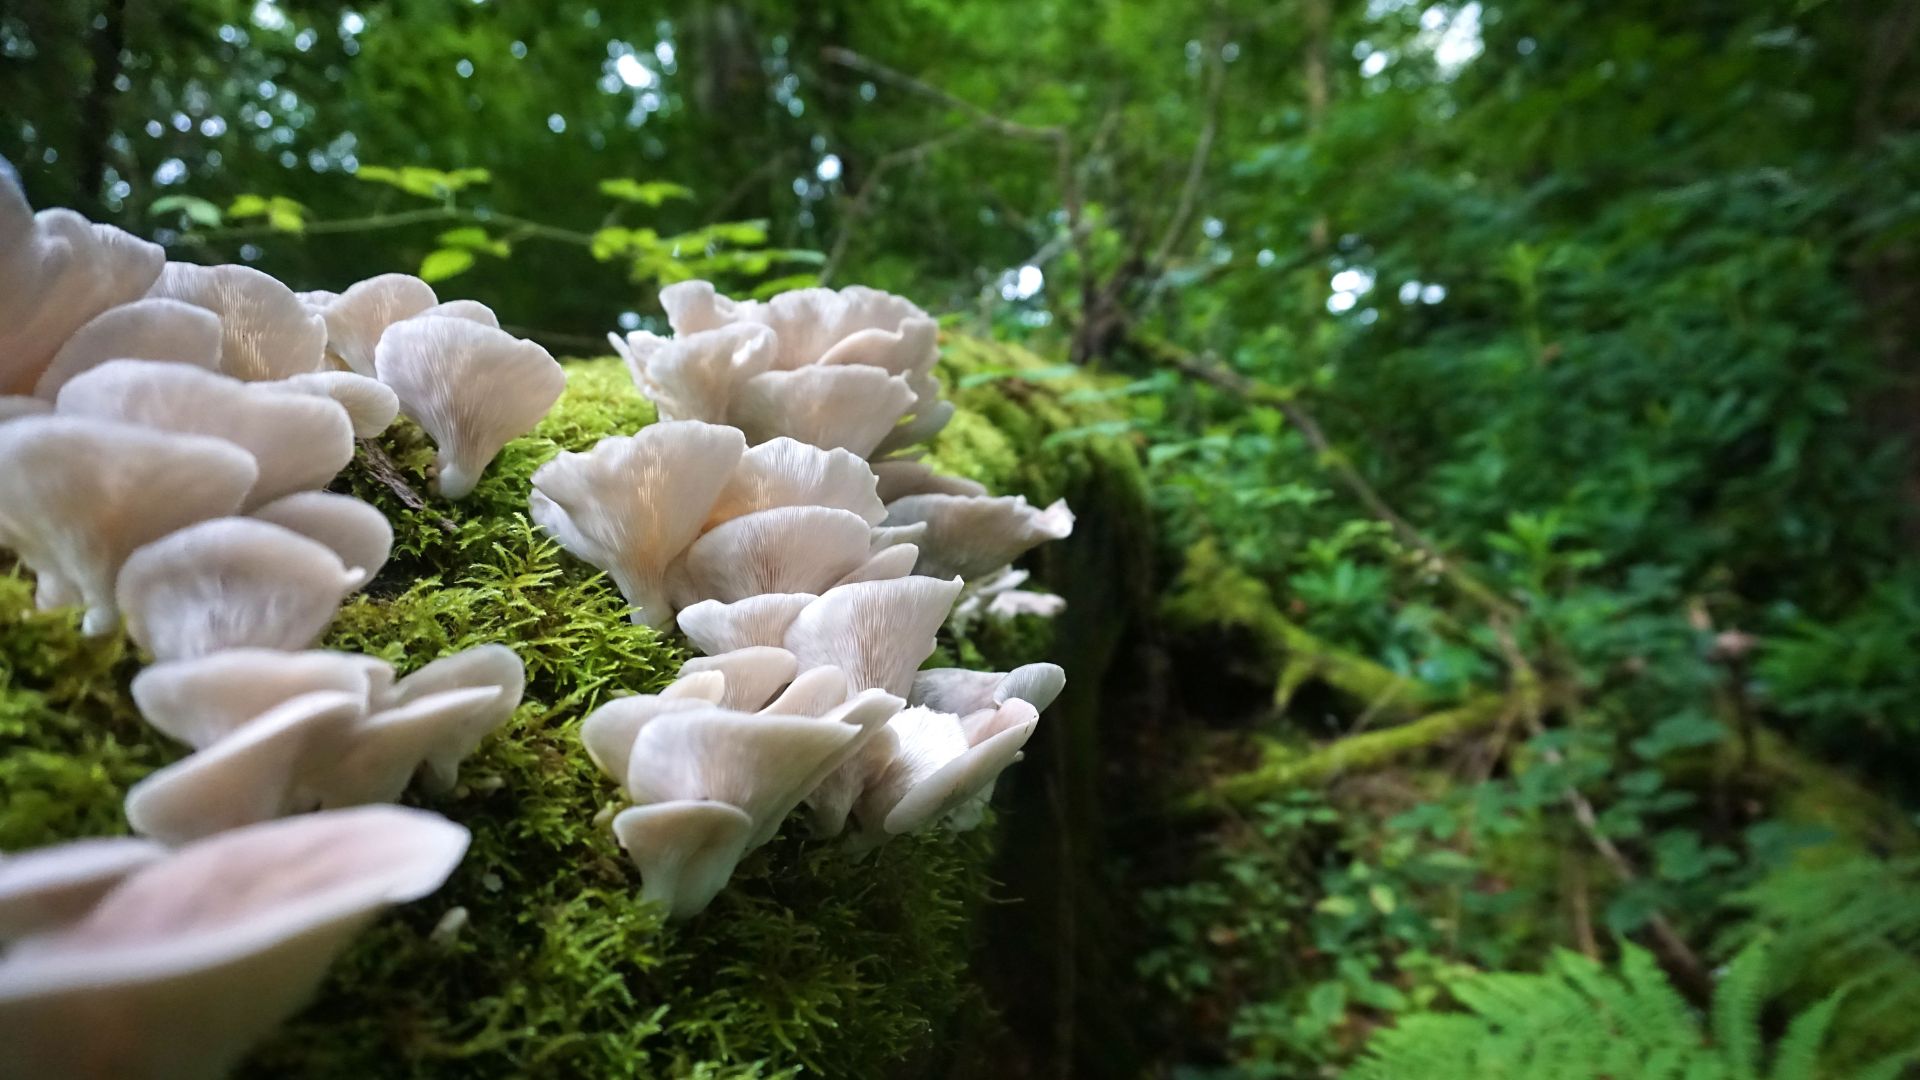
{"x":536,"y":958}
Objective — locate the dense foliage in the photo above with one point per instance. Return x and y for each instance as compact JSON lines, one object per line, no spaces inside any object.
{"x":1524,"y":389}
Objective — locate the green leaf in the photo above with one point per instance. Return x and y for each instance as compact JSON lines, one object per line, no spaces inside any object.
{"x":445,"y":263}
{"x":650,"y":193}
{"x":197,"y":210}
{"x":474,"y":238}
{"x":245,"y":206}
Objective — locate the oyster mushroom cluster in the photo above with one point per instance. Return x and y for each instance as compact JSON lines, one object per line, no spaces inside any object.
{"x":815,"y":581}
{"x":163,"y":467}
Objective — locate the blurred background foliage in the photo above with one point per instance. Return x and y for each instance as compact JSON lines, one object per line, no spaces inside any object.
{"x":1527,"y":390}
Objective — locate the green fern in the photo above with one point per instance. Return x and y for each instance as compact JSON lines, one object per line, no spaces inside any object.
{"x":1578,"y":1020}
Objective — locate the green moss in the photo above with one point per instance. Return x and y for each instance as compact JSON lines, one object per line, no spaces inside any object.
{"x":813,"y":961}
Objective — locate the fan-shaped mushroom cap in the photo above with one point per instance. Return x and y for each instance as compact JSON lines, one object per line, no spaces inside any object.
{"x":914,"y":744}
{"x":470,"y":310}
{"x":58,"y":270}
{"x":633,"y":503}
{"x":787,"y":472}
{"x":190,"y":961}
{"x":878,"y":632}
{"x":813,"y":692}
{"x":370,"y":405}
{"x":266,"y":768}
{"x":716,"y":628}
{"x":849,"y":407}
{"x":789,"y":549}
{"x":201,"y":701}
{"x":15,"y":406}
{"x":481,"y":666}
{"x":695,"y":376}
{"x":382,"y":752}
{"x":898,"y":479}
{"x":973,"y":535}
{"x":957,"y":690}
{"x":266,"y":332}
{"x":759,"y":762}
{"x":472,"y":387}
{"x":230,"y":583}
{"x":608,"y":731}
{"x":299,"y":442}
{"x":356,"y":318}
{"x":77,"y":495}
{"x":752,"y":675}
{"x":686,"y":850}
{"x":317,"y":299}
{"x":49,"y":886}
{"x":810,"y":323}
{"x":961,"y":779}
{"x":150,"y":329}
{"x":354,"y":530}
{"x":889,"y":562}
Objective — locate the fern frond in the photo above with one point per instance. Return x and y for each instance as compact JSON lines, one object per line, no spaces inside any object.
{"x":1798,"y":1054}
{"x":1736,"y":1010}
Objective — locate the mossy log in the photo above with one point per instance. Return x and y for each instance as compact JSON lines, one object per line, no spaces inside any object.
{"x":537,"y":958}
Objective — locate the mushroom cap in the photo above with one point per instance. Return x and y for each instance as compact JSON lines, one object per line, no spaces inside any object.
{"x":788,"y":549}
{"x":149,"y":329}
{"x":494,"y":666}
{"x":470,"y":310}
{"x":266,"y":768}
{"x":356,"y":318}
{"x":759,"y":762}
{"x":695,"y":376}
{"x":608,"y":732}
{"x":878,"y":632}
{"x":686,"y":850}
{"x":230,"y":583}
{"x":716,"y":627}
{"x":266,"y":332}
{"x":191,"y":960}
{"x":751,"y":675}
{"x":49,"y":886}
{"x":894,"y":561}
{"x":808,"y":322}
{"x":382,"y":752}
{"x":966,"y":776}
{"x":77,"y":495}
{"x":354,"y":530}
{"x":898,"y":479}
{"x":633,"y":503}
{"x":369,"y":404}
{"x":788,"y":472}
{"x":57,"y":271}
{"x":959,"y":691}
{"x":201,"y":701}
{"x":813,"y":692}
{"x":850,"y":407}
{"x":975,"y":535}
{"x":300,"y":442}
{"x":471,"y":386}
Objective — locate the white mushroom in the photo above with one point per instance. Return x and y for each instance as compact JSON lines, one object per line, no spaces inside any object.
{"x":889,"y":562}
{"x":849,"y":407}
{"x":299,"y":442}
{"x":966,"y":777}
{"x":878,"y":632}
{"x":266,"y":768}
{"x":48,"y":887}
{"x":974,"y":535}
{"x":815,"y":326}
{"x":813,"y":692}
{"x":898,"y":479}
{"x":354,"y":530}
{"x":78,"y":495}
{"x":483,"y":666}
{"x":789,"y":549}
{"x":752,"y":675}
{"x":633,"y":503}
{"x":202,"y":700}
{"x":231,"y":583}
{"x":267,"y":333}
{"x":369,"y":403}
{"x":58,"y":270}
{"x":470,"y":310}
{"x":716,"y":628}
{"x":686,"y":850}
{"x":472,"y":387}
{"x":186,"y":964}
{"x":150,"y":329}
{"x":787,"y":472}
{"x":695,"y":376}
{"x":384,"y":751}
{"x":356,"y":318}
{"x":999,"y":596}
{"x":956,"y":690}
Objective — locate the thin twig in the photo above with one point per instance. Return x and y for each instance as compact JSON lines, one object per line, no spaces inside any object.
{"x":834,"y":54}
{"x":383,"y":469}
